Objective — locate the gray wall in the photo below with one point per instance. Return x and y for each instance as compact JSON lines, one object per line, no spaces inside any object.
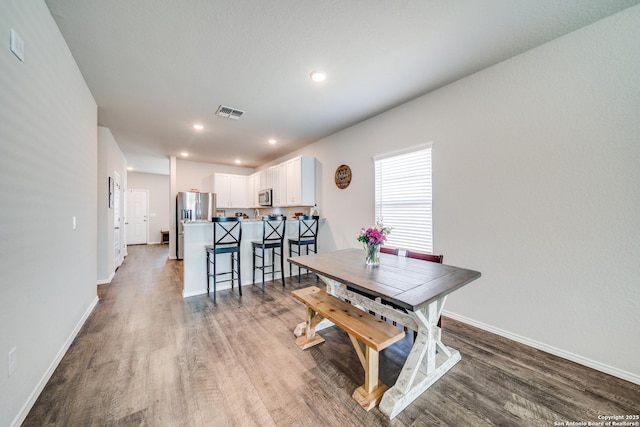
{"x":111,"y":163}
{"x":48,"y":162}
{"x":536,"y":165}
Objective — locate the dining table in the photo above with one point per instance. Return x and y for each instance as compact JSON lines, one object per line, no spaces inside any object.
{"x":407,"y":291}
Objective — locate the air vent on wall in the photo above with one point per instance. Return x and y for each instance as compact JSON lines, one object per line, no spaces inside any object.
{"x":229,"y":112}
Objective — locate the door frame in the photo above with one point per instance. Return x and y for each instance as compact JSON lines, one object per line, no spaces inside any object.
{"x":118,"y":206}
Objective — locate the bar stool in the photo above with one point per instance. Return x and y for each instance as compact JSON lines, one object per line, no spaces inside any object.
{"x":307,"y":236}
{"x":227,"y":234}
{"x":273,"y":232}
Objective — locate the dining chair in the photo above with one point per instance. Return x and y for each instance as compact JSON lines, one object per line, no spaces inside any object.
{"x":307,"y":237}
{"x":227,"y":235}
{"x":424,"y":256}
{"x":388,"y":250}
{"x":273,"y":232}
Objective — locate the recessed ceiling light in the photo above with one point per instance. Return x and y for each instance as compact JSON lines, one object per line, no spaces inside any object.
{"x":272,"y":141}
{"x":130,"y":168}
{"x":238,"y":161}
{"x":184,"y":154}
{"x":198,"y":126}
{"x":318,"y":76}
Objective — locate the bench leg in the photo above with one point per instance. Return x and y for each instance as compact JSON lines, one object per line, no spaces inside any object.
{"x":310,"y":338}
{"x":369,"y":394}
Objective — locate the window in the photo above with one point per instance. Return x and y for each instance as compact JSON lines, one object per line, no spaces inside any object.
{"x":403,"y":198}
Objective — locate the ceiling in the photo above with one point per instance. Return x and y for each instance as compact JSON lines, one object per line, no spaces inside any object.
{"x":156,"y":67}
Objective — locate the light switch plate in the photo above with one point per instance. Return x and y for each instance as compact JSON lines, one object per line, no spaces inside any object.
{"x":17,"y":45}
{"x":13,"y":361}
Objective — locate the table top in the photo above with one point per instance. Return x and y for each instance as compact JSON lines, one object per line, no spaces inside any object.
{"x":406,"y":282}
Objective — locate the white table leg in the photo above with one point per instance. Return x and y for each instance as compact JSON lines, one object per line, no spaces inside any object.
{"x":424,"y":366}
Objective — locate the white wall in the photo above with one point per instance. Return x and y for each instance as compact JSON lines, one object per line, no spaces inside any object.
{"x":111,"y":161}
{"x":536,"y":168}
{"x":158,"y":187}
{"x":48,"y":161}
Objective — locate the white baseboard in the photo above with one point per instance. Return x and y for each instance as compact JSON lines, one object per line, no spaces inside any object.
{"x":227,"y":286}
{"x":193,"y":293}
{"x":619,"y":373}
{"x":204,"y":290}
{"x":24,"y":411}
{"x":104,"y":282}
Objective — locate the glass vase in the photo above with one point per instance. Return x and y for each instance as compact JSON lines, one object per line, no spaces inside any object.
{"x":372,"y":254}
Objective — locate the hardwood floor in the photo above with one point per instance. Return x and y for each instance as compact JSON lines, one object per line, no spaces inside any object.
{"x":148,"y":357}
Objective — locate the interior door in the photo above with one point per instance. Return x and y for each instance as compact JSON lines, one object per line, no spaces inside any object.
{"x":137,"y":225}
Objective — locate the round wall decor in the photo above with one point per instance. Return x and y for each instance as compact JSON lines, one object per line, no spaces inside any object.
{"x":343,"y":176}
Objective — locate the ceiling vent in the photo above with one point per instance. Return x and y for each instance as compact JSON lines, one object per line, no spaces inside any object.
{"x":229,"y":112}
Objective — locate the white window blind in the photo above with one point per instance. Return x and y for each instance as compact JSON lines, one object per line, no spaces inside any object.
{"x":403,"y":198}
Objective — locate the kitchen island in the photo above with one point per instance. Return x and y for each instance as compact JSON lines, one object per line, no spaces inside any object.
{"x":198,"y":234}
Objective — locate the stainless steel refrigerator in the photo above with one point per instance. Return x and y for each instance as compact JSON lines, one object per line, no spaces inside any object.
{"x":192,"y":207}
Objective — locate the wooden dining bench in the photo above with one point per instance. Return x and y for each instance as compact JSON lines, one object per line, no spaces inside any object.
{"x":369,"y":335}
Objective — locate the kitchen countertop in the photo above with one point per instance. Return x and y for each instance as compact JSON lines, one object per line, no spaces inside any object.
{"x":204,"y":221}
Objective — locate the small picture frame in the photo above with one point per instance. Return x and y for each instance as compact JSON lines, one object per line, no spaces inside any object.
{"x":110,"y":193}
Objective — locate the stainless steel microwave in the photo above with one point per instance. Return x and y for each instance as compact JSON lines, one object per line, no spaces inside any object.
{"x":264,"y":197}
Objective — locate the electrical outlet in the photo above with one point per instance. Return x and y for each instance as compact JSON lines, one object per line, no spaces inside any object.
{"x":13,"y":361}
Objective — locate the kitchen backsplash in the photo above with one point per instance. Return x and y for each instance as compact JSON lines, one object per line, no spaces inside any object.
{"x":289,"y":212}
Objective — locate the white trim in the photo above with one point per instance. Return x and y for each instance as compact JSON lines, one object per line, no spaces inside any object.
{"x":598,"y":366}
{"x":24,"y":411}
{"x":403,"y":151}
{"x":105,"y":282}
{"x":194,"y":293}
{"x":219,"y":287}
{"x":226,"y":285}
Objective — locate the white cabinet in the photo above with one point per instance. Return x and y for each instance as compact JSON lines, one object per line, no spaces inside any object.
{"x":294,"y":188}
{"x":231,"y":190}
{"x":252,"y":196}
{"x":279,"y":174}
{"x":293,"y":184}
{"x":221,"y":188}
{"x":238,"y":189}
{"x":300,"y":181}
{"x":253,"y":187}
{"x":266,"y":179}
